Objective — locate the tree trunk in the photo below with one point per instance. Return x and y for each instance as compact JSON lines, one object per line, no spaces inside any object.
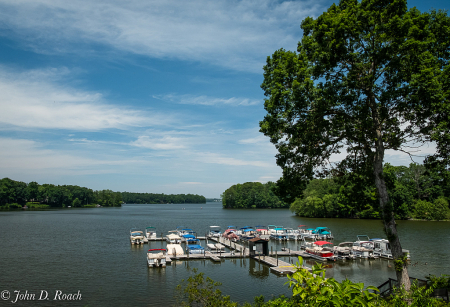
{"x":400,"y":263}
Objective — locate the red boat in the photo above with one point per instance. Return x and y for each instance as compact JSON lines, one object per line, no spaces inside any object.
{"x":320,"y":252}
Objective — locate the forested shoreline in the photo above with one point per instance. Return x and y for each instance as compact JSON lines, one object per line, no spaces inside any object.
{"x":150,"y":198}
{"x":251,"y":195}
{"x":17,"y":194}
{"x":415,"y":193}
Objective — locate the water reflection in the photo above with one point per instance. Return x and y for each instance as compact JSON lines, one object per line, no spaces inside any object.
{"x":119,"y":276}
{"x":258,"y":270}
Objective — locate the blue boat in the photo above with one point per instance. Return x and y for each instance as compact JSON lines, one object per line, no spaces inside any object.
{"x":195,"y":248}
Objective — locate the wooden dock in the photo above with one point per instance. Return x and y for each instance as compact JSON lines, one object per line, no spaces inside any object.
{"x":278,"y":266}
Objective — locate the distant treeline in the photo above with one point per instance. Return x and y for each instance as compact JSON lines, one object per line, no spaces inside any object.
{"x":252,"y":195}
{"x":150,"y":198}
{"x":414,"y":192}
{"x":16,"y":194}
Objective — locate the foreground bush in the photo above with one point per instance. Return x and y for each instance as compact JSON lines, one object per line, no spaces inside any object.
{"x":314,"y":290}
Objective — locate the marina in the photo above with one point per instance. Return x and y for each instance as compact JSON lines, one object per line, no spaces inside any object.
{"x":112,"y":278}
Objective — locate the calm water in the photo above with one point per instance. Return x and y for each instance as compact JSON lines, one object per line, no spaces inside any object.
{"x":88,"y":250}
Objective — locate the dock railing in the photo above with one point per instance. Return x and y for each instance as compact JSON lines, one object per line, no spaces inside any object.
{"x":387,"y":287}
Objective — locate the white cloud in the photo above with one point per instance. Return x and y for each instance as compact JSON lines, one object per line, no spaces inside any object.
{"x":209,"y":157}
{"x":236,"y":34}
{"x":261,"y":139}
{"x":164,"y":143}
{"x":33,"y":99}
{"x":207,"y":101}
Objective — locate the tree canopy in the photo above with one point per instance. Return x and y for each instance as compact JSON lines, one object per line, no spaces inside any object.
{"x":368,"y":76}
{"x":252,"y":195}
{"x":414,"y":191}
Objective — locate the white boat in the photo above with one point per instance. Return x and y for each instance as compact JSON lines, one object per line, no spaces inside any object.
{"x":214,"y":231}
{"x":195,"y":249}
{"x":136,"y":236}
{"x":382,"y":248}
{"x":323,"y":233}
{"x":363,"y":248}
{"x":215,"y":247}
{"x":344,"y":250}
{"x":174,"y":250}
{"x":173,"y":238}
{"x":150,"y":233}
{"x":156,"y":257}
{"x":290,"y":233}
{"x":278,"y":233}
{"x":321,"y":250}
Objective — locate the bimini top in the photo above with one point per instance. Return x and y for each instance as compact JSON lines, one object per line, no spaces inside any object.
{"x":322,"y":228}
{"x":193,"y":240}
{"x":248,"y":229}
{"x":320,"y":243}
{"x":195,"y":246}
{"x":188,"y":236}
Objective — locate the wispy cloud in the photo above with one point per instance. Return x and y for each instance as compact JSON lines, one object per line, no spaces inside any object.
{"x":33,"y":99}
{"x":207,"y":101}
{"x":164,"y":143}
{"x":236,"y":34}
{"x":209,"y":157}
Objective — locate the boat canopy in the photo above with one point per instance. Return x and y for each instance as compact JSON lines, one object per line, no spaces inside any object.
{"x":136,"y":233}
{"x":321,"y":228}
{"x":248,"y":229}
{"x":174,"y":236}
{"x":195,"y":246}
{"x":320,"y":243}
{"x":188,"y":236}
{"x":193,"y":240}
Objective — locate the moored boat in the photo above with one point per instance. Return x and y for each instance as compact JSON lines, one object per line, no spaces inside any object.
{"x":173,"y":238}
{"x":136,"y":236}
{"x":382,"y":248}
{"x":214,"y":231}
{"x":344,"y":250}
{"x":150,"y":233}
{"x":174,"y":250}
{"x":321,"y":250}
{"x":195,"y":249}
{"x":156,"y":257}
{"x":363,"y":248}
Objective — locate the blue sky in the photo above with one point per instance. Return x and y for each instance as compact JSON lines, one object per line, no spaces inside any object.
{"x":143,"y":96}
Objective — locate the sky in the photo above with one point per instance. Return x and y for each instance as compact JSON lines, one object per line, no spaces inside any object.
{"x":144,"y":96}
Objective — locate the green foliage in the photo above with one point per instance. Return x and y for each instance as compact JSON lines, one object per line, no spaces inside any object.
{"x":416,"y":297}
{"x":350,"y":195}
{"x":200,"y":291}
{"x":48,"y":195}
{"x":150,"y":198}
{"x":313,"y":289}
{"x":252,"y":195}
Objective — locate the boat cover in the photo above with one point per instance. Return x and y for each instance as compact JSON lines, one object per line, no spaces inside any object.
{"x":322,"y":242}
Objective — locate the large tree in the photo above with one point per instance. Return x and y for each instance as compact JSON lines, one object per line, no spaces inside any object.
{"x":368,"y":76}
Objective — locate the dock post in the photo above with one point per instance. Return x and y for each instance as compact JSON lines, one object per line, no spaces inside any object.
{"x":289,"y":254}
{"x":271,"y":250}
{"x":276,"y":253}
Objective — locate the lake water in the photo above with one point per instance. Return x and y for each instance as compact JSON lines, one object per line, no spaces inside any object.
{"x":88,"y":250}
